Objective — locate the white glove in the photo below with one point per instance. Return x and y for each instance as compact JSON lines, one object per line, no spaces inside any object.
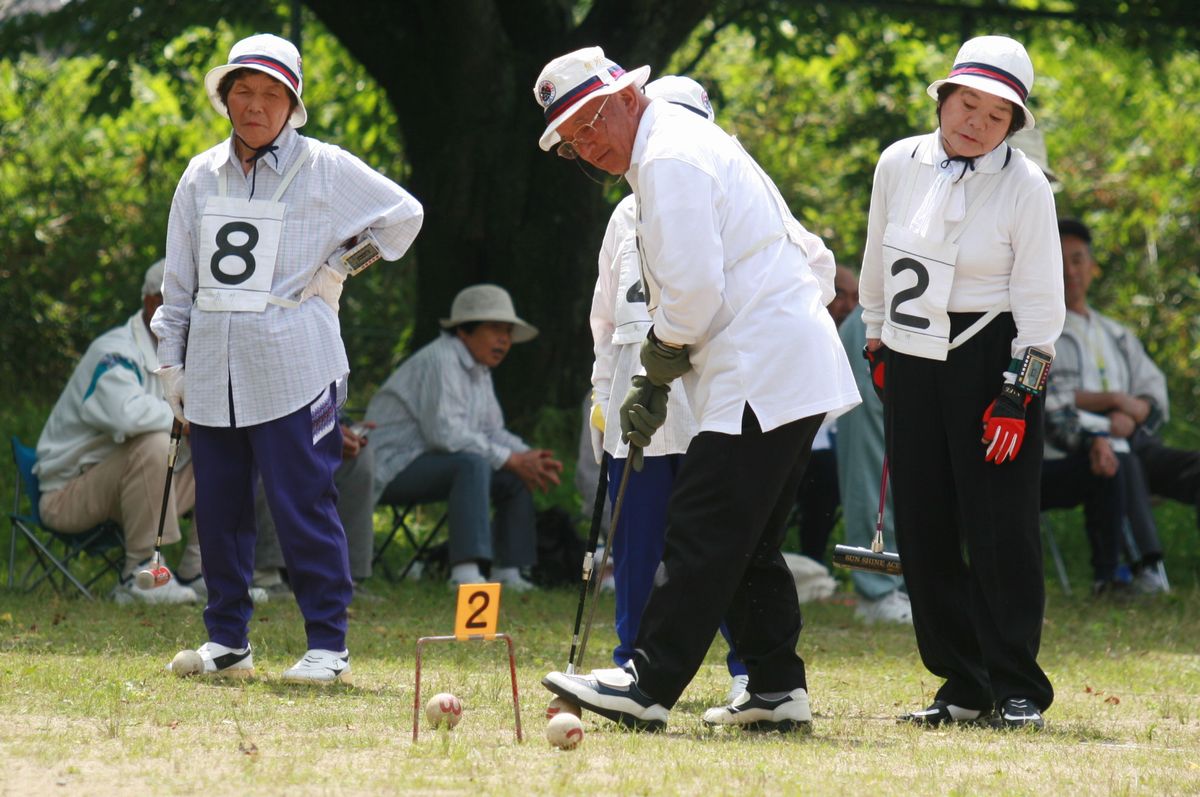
{"x":596,"y":427}
{"x":171,"y":377}
{"x":326,"y":284}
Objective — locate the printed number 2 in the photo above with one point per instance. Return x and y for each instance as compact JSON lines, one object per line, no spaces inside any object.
{"x":907,"y":319}
{"x":225,"y":249}
{"x":473,"y":621}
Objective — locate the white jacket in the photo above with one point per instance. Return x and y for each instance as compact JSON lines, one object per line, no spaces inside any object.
{"x":113,"y":395}
{"x":730,"y":277}
{"x":620,"y":322}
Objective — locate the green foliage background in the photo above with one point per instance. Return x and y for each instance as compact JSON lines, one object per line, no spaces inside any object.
{"x":86,"y":182}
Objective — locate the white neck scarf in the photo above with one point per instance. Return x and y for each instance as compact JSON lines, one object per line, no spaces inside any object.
{"x":946,"y":200}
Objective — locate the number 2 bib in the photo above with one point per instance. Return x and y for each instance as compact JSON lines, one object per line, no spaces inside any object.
{"x":239,"y":245}
{"x":918,"y":276}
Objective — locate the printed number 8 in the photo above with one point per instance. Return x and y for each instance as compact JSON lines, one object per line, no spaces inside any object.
{"x":226,"y":249}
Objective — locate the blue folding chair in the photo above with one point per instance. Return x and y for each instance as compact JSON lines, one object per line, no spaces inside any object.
{"x":56,"y":553}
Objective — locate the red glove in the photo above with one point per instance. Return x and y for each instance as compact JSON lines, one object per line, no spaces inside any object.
{"x":875,"y":363}
{"x":1004,"y":425}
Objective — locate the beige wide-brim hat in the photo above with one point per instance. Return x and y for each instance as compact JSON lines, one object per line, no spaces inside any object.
{"x":996,"y":65}
{"x":488,"y":303}
{"x":570,"y":80}
{"x":270,"y":55}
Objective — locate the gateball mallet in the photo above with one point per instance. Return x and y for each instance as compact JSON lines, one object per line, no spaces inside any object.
{"x":874,"y":560}
{"x":589,"y":556}
{"x":158,"y":574}
{"x":612,"y":536}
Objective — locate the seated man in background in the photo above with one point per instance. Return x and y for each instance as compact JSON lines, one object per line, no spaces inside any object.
{"x":1105,"y":392}
{"x":103,"y":453}
{"x":355,"y":482}
{"x":439,"y":436}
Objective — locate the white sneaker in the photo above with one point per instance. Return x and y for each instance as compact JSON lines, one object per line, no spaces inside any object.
{"x":465,"y":573}
{"x":1150,"y":581}
{"x":223,"y":661}
{"x":320,"y":667}
{"x":128,"y":592}
{"x":511,"y":578}
{"x":755,"y":712}
{"x":891,"y":608}
{"x":257,"y":594}
{"x":737,"y":688}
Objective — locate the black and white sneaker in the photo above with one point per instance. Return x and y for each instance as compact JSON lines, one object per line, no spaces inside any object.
{"x":1020,"y":712}
{"x":942,"y":713}
{"x":226,"y":662}
{"x":757,"y":713}
{"x":320,"y":667}
{"x":611,"y":693}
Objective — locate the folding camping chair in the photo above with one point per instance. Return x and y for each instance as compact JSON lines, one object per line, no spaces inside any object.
{"x":105,"y":542}
{"x":403,"y":524}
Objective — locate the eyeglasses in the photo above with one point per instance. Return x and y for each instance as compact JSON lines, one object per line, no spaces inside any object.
{"x":584,"y":135}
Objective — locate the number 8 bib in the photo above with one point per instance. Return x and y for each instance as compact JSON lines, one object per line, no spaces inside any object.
{"x":239,"y":242}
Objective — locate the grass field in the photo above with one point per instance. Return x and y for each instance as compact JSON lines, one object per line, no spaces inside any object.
{"x":89,"y":709}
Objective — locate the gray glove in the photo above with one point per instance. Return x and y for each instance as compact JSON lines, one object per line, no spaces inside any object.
{"x":643,"y":411}
{"x":663,"y":363}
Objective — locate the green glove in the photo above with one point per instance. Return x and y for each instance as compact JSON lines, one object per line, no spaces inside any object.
{"x":663,"y":364}
{"x":643,"y":411}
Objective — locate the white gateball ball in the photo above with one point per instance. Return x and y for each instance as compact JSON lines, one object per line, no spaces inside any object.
{"x":560,"y":705}
{"x":564,"y":731}
{"x":187,"y":662}
{"x":443,"y":709}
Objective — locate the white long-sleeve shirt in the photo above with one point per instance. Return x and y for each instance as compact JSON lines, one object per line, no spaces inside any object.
{"x":1009,"y":254}
{"x":620,"y":321}
{"x":439,"y":399}
{"x":112,"y":395}
{"x":731,"y":284}
{"x":278,"y":360}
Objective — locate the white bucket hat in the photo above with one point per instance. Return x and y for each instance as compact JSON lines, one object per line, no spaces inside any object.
{"x":488,"y":303}
{"x":271,"y":55}
{"x":1033,"y":144}
{"x":997,"y":65}
{"x":152,"y":282}
{"x":682,"y":91}
{"x":570,"y":80}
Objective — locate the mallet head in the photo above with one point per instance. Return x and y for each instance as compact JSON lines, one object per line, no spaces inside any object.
{"x":151,"y":578}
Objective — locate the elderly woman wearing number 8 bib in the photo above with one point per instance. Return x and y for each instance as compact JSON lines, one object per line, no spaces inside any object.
{"x":963,"y":300}
{"x":264,"y":228}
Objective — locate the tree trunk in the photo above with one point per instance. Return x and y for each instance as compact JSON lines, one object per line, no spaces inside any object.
{"x":497,"y":209}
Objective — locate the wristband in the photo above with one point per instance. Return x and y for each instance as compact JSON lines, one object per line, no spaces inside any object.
{"x":361,"y":255}
{"x":1032,"y":371}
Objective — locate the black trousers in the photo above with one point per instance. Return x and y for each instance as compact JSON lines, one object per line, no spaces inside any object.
{"x":1069,"y":482}
{"x":817,"y":503}
{"x":725,"y":524}
{"x":1170,"y":472}
{"x":967,"y":529}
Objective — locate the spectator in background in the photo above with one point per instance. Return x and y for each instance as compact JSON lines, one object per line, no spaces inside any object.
{"x":439,"y":436}
{"x":102,"y":454}
{"x":1108,"y":398}
{"x":818,"y":498}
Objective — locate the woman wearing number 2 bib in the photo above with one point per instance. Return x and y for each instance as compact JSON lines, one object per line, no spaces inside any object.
{"x":264,"y":228}
{"x":963,"y":300}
